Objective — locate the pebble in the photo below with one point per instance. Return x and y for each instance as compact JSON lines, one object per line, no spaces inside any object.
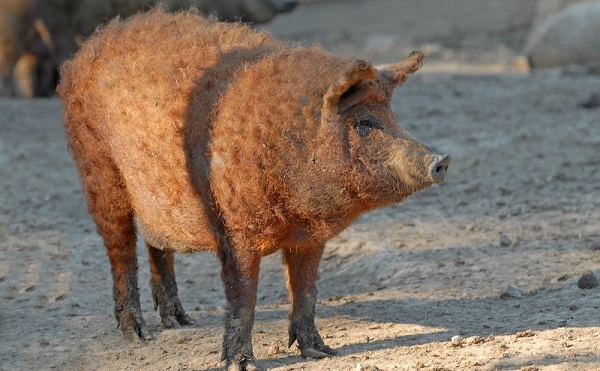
{"x":587,"y":281}
{"x":505,"y":241}
{"x":512,"y":291}
{"x":456,"y":341}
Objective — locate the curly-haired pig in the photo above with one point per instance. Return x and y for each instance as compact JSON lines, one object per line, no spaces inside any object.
{"x":202,"y":135}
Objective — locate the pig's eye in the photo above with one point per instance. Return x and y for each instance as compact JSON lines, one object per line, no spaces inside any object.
{"x":364,"y":126}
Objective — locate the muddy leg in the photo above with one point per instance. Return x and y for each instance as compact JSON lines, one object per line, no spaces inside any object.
{"x":164,"y":289}
{"x":111,"y":210}
{"x":123,"y":261}
{"x":240,"y":279}
{"x":302,"y":273}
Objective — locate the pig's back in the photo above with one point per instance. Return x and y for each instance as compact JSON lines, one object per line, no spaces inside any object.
{"x":147,"y":87}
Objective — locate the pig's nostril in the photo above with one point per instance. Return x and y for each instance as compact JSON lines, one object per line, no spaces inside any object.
{"x":439,"y":168}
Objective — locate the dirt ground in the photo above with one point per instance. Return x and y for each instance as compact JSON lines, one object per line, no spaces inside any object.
{"x":521,"y":207}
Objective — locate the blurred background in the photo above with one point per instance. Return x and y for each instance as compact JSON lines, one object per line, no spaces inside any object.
{"x":457,"y":35}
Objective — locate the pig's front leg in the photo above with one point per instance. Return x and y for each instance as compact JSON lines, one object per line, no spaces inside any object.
{"x":239,"y":271}
{"x":302,"y":273}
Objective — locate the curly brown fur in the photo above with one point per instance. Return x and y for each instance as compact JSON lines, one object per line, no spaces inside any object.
{"x":211,"y":136}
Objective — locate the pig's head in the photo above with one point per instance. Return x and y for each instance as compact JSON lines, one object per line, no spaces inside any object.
{"x":388,"y":164}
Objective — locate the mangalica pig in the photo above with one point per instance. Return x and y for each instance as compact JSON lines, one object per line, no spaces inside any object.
{"x":202,"y":135}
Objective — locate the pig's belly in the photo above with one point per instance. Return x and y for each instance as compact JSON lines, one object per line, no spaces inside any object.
{"x":178,"y":224}
{"x":169,"y":212}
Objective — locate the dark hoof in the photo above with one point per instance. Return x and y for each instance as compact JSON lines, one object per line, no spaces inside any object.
{"x":177,"y":321}
{"x":139,"y":333}
{"x":323,"y":352}
{"x":242,"y":366}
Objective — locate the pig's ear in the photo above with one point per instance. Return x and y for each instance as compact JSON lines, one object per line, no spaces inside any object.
{"x":349,"y":88}
{"x":396,"y":74}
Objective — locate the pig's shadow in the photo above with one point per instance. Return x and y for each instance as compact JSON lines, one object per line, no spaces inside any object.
{"x":198,"y":123}
{"x":545,"y":309}
{"x":466,"y":317}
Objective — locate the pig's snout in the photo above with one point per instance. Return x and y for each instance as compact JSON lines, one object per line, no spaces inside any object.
{"x":439,"y":168}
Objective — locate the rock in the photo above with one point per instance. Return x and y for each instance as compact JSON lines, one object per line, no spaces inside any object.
{"x":512,"y":291}
{"x":456,"y":341}
{"x":567,"y":37}
{"x":587,"y":281}
{"x":505,"y":241}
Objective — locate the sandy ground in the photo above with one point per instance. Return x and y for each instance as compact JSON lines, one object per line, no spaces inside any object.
{"x":394,"y":288}
{"x":521,"y":206}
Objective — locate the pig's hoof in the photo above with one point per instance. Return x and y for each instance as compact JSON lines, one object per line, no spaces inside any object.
{"x":170,"y":322}
{"x":323,"y":352}
{"x":242,"y":366}
{"x":185,"y":320}
{"x":133,"y":326}
{"x":177,"y":321}
{"x":137,"y":333}
{"x":171,"y":311}
{"x":309,"y":341}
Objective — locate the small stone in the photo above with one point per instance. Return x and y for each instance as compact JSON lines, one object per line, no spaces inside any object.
{"x":512,"y":291}
{"x":456,"y":341}
{"x":505,"y":241}
{"x":587,"y":281}
{"x":366,"y":367}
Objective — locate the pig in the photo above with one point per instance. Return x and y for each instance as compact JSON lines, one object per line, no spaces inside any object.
{"x":202,"y":135}
{"x":24,"y":42}
{"x":85,"y":15}
{"x":16,"y":27}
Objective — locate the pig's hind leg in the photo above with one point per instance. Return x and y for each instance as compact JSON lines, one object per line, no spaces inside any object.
{"x":164,"y":288}
{"x":109,"y":206}
{"x":302,"y":273}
